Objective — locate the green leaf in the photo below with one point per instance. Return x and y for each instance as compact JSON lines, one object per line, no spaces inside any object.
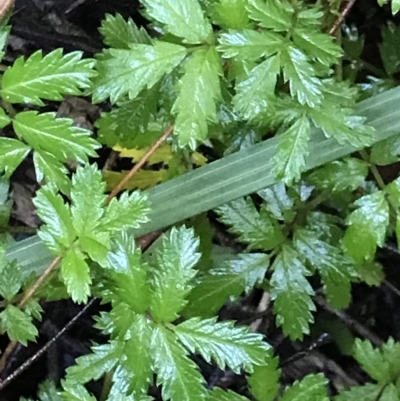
{"x":248,"y":44}
{"x":395,"y":6}
{"x":12,"y":153}
{"x":48,"y":168}
{"x":231,"y":14}
{"x":278,"y":202}
{"x":371,"y":273}
{"x":127,"y":72}
{"x":48,"y":391}
{"x":311,"y":388}
{"x":75,"y":392}
{"x":301,"y":76}
{"x":228,"y":346}
{"x":120,"y":33}
{"x":131,"y":274}
{"x":177,"y":374}
{"x":264,"y":381}
{"x":4,"y":119}
{"x":182,"y":18}
{"x":218,"y":394}
{"x":257,"y":229}
{"x":4,"y":33}
{"x":383,"y":365}
{"x":94,"y":365}
{"x":341,"y":175}
{"x":18,"y":325}
{"x":253,"y":94}
{"x":292,"y":293}
{"x":335,"y":269}
{"x":368,"y":392}
{"x":58,"y":232}
{"x":56,"y":136}
{"x":289,"y":161}
{"x":88,"y":199}
{"x":75,"y":273}
{"x":338,"y":123}
{"x":317,"y":45}
{"x":386,"y":152}
{"x":175,"y":269}
{"x":128,"y":211}
{"x":275,"y":15}
{"x":367,"y":227}
{"x":137,"y":348}
{"x":389,"y":49}
{"x":199,"y":90}
{"x":49,"y":77}
{"x":11,"y":279}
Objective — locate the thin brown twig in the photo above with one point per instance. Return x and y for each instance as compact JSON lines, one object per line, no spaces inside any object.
{"x":142,"y":161}
{"x":342,"y":16}
{"x":29,"y":293}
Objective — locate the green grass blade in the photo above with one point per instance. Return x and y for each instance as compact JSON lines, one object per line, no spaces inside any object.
{"x":231,"y":177}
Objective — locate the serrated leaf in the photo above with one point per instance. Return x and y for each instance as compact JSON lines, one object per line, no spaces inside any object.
{"x":12,"y":153}
{"x":75,"y":392}
{"x":4,"y":33}
{"x":317,"y":45}
{"x":127,"y":124}
{"x":94,"y":365}
{"x":131,"y":274}
{"x":175,"y":269}
{"x":248,"y":45}
{"x":217,"y":394}
{"x":177,"y":374}
{"x":11,"y":279}
{"x":199,"y":90}
{"x":49,"y":77}
{"x":88,"y":199}
{"x":335,"y":269}
{"x":183,"y":18}
{"x":228,"y":346}
{"x":231,"y":14}
{"x":120,"y":33}
{"x":289,"y":161}
{"x":48,"y":391}
{"x":386,"y":152}
{"x":388,"y":48}
{"x":48,"y":168}
{"x":137,"y":348}
{"x":18,"y":325}
{"x":311,"y":388}
{"x":127,"y":72}
{"x":56,"y":136}
{"x":274,"y":14}
{"x":367,"y":227}
{"x":75,"y":274}
{"x":253,"y":94}
{"x":292,"y":293}
{"x":4,"y":119}
{"x":368,"y":392}
{"x":371,"y":273}
{"x":58,"y":232}
{"x":257,"y":229}
{"x":301,"y":76}
{"x":96,"y":246}
{"x":341,"y":175}
{"x":383,"y":364}
{"x":130,"y":210}
{"x":278,"y":202}
{"x":343,"y":127}
{"x":264,"y":381}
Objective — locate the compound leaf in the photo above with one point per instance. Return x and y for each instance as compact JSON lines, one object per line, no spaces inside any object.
{"x":182,"y":18}
{"x":12,"y":153}
{"x":199,"y":90}
{"x":175,"y":269}
{"x":292,"y":293}
{"x":228,"y":346}
{"x":177,"y":374}
{"x":126,"y":72}
{"x":49,"y":77}
{"x":311,"y":388}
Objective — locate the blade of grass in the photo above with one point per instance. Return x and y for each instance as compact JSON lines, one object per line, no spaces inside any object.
{"x":229,"y":178}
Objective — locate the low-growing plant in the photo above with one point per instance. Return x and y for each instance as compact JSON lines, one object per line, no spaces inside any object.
{"x":237,"y":87}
